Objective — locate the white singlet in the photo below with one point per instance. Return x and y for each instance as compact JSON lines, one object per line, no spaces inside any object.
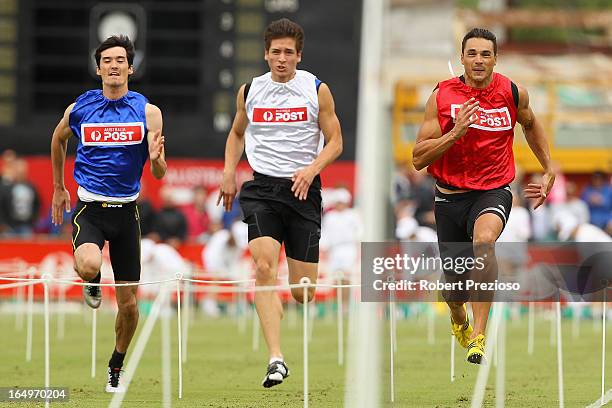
{"x":283,"y":133}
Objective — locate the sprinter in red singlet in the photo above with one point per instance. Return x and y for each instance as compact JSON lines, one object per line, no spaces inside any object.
{"x":466,"y":142}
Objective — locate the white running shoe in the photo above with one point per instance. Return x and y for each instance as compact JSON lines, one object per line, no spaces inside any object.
{"x":93,"y":296}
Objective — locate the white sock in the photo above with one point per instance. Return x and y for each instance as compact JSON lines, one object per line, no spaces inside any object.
{"x":273,"y":359}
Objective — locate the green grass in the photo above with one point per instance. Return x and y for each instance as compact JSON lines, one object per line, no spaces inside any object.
{"x":223,"y":371}
{"x":423,"y":377}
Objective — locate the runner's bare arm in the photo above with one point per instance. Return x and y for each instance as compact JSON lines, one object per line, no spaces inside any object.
{"x":431,"y":144}
{"x":59,"y":144}
{"x":536,"y":138}
{"x":234,"y":147}
{"x":157,"y":153}
{"x":330,"y":126}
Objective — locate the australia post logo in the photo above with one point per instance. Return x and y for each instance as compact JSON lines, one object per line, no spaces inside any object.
{"x":493,"y":120}
{"x":112,"y":134}
{"x":280,"y":115}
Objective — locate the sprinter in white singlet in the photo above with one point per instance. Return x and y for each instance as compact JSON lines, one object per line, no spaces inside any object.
{"x":283,"y":114}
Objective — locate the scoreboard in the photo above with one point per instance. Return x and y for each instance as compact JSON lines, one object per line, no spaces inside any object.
{"x":192,"y":56}
{"x":8,"y":62}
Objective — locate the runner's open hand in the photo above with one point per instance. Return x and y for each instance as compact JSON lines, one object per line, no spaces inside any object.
{"x":227,"y":191}
{"x":302,"y":179}
{"x":157,"y":145}
{"x":60,"y":202}
{"x":540,"y":191}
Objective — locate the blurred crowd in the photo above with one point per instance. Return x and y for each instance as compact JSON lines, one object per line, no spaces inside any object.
{"x":19,"y":200}
{"x":571,"y":212}
{"x":577,"y":209}
{"x":192,"y":217}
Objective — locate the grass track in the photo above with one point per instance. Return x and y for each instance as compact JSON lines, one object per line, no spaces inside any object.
{"x":223,"y":371}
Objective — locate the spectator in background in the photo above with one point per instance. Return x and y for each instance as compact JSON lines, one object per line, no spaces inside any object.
{"x":170,"y":224}
{"x":574,"y":205}
{"x":229,"y":217}
{"x":221,"y":258}
{"x":197,"y":215}
{"x":569,"y":228}
{"x":598,"y":196}
{"x":215,"y":213}
{"x":60,"y":231}
{"x":422,"y":198}
{"x":341,"y":232}
{"x":401,"y":183}
{"x":160,"y":261}
{"x":7,"y":176}
{"x":22,"y":202}
{"x":540,"y":220}
{"x":146,"y":211}
{"x":218,"y":217}
{"x":558,"y":193}
{"x":513,"y":252}
{"x":518,"y":227}
{"x":408,"y":229}
{"x":224,"y":249}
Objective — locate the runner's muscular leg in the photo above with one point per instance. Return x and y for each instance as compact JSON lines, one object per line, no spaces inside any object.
{"x":87,"y":261}
{"x":265,"y":251}
{"x":298,"y":270}
{"x":487,"y":229}
{"x":127,"y":316}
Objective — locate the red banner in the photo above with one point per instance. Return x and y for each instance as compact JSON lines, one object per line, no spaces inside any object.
{"x":182,"y":174}
{"x":52,"y":256}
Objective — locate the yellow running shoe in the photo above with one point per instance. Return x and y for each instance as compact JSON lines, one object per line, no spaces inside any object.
{"x":476,"y":349}
{"x":463,"y":331}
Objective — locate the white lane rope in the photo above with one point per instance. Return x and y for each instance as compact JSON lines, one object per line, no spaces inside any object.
{"x":531,"y":328}
{"x":132,"y":364}
{"x":45,"y":279}
{"x":601,"y":402}
{"x":603,"y":345}
{"x":179,"y":277}
{"x":139,"y":347}
{"x":491,"y":345}
{"x":305,"y":282}
{"x":559,"y":356}
{"x":94,"y":324}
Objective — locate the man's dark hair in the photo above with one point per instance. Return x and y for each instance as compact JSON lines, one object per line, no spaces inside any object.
{"x":116,"y":41}
{"x":284,"y":28}
{"x":480,"y":33}
{"x":599,"y":174}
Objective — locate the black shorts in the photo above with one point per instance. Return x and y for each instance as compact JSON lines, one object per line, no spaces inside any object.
{"x":271,"y":209}
{"x":117,"y":223}
{"x":456,"y":215}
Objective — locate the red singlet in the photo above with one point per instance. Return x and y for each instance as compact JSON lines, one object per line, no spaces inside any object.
{"x":482,"y":159}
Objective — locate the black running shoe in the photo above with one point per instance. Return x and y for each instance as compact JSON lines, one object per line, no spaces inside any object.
{"x":277,"y":372}
{"x":113,"y":384}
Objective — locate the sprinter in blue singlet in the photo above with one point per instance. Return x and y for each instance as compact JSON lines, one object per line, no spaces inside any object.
{"x":116,"y":130}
